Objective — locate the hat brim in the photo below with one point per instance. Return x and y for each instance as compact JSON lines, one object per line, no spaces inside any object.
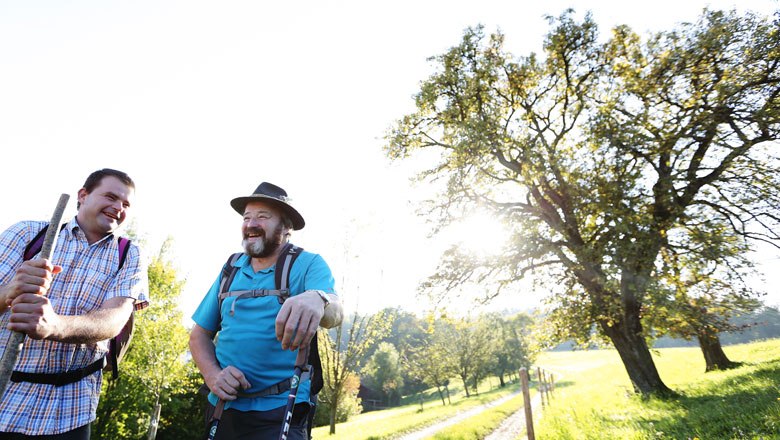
{"x":239,"y":204}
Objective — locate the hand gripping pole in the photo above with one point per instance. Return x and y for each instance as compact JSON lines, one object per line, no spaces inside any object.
{"x":16,"y":340}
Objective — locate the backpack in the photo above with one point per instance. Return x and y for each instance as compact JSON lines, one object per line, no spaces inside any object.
{"x":282,"y":280}
{"x":118,"y":345}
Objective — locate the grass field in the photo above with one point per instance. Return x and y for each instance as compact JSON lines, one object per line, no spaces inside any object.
{"x":593,"y":399}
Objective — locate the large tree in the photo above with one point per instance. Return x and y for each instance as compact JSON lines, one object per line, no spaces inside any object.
{"x":600,"y":155}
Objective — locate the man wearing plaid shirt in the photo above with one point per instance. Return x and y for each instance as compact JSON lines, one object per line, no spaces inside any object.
{"x":69,"y":307}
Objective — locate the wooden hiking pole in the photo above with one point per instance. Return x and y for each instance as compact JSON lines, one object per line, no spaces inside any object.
{"x":16,"y":340}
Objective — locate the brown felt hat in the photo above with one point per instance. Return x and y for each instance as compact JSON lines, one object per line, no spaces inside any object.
{"x":276,"y":196}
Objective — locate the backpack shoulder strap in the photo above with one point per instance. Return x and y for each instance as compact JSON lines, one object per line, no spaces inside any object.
{"x":229,"y":272}
{"x":35,"y":245}
{"x":284,"y":264}
{"x":124,"y":248}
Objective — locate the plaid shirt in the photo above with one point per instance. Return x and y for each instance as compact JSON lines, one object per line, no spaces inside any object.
{"x":89,"y":277}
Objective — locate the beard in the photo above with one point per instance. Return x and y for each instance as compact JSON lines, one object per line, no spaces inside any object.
{"x":267,"y":245}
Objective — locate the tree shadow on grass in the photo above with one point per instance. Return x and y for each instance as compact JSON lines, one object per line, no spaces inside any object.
{"x":740,"y":406}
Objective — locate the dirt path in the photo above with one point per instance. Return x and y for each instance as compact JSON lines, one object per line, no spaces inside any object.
{"x":438,"y":426}
{"x":510,"y":429}
{"x":514,"y":425}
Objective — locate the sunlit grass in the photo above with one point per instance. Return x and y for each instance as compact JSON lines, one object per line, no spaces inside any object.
{"x":594,"y":398}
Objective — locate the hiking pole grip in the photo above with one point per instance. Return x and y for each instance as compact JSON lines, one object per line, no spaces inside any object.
{"x":215,"y":418}
{"x":16,"y":339}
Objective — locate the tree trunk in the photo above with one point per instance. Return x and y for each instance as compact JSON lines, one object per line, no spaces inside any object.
{"x":155,"y":420}
{"x":332,"y":416}
{"x":713,"y":353}
{"x":465,"y":381}
{"x":501,"y":380}
{"x":441,"y":395}
{"x":637,"y":360}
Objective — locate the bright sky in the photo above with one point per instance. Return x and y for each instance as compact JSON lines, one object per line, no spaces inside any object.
{"x":200,"y":101}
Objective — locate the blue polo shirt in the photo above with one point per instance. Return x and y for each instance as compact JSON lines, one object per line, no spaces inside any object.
{"x":247,"y":338}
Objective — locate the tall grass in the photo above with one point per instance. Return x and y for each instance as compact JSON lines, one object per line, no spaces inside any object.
{"x":594,"y":398}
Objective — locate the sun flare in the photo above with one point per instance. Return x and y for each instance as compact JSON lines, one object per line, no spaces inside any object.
{"x":479,"y":233}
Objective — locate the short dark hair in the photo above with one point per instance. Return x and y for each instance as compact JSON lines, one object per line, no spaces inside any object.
{"x":96,"y":177}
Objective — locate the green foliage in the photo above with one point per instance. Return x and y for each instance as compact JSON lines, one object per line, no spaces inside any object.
{"x":349,"y":404}
{"x":511,"y":345}
{"x":406,"y":332}
{"x":341,"y":356}
{"x":382,"y":373}
{"x":154,"y":370}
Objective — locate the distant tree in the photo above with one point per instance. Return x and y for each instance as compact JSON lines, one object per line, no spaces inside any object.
{"x":511,"y":347}
{"x":763,"y":324}
{"x":429,"y":361}
{"x":702,"y":299}
{"x":382,"y":373}
{"x":341,"y":357}
{"x":154,"y":370}
{"x":468,"y":347}
{"x":601,"y":155}
{"x":406,"y":333}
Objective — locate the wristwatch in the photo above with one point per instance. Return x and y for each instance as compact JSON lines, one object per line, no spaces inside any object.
{"x":323,"y":297}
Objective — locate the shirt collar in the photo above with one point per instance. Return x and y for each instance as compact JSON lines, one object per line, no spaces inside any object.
{"x":75,"y":231}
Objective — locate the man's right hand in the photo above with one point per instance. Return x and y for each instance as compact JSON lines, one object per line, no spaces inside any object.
{"x":227,"y":383}
{"x":33,"y":276}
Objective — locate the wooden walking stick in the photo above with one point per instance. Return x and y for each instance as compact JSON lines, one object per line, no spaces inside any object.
{"x":16,"y":340}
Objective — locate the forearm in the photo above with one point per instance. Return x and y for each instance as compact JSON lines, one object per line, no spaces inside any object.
{"x":203,"y":353}
{"x":95,"y":326}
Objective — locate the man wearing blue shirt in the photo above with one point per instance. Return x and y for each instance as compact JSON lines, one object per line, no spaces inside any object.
{"x":260,"y":335}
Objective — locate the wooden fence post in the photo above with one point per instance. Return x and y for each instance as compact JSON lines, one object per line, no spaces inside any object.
{"x":546,"y":387}
{"x":552,"y":384}
{"x":529,"y":420}
{"x":541,"y":383}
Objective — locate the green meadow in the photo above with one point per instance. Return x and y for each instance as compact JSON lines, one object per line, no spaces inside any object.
{"x":593,"y":399}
